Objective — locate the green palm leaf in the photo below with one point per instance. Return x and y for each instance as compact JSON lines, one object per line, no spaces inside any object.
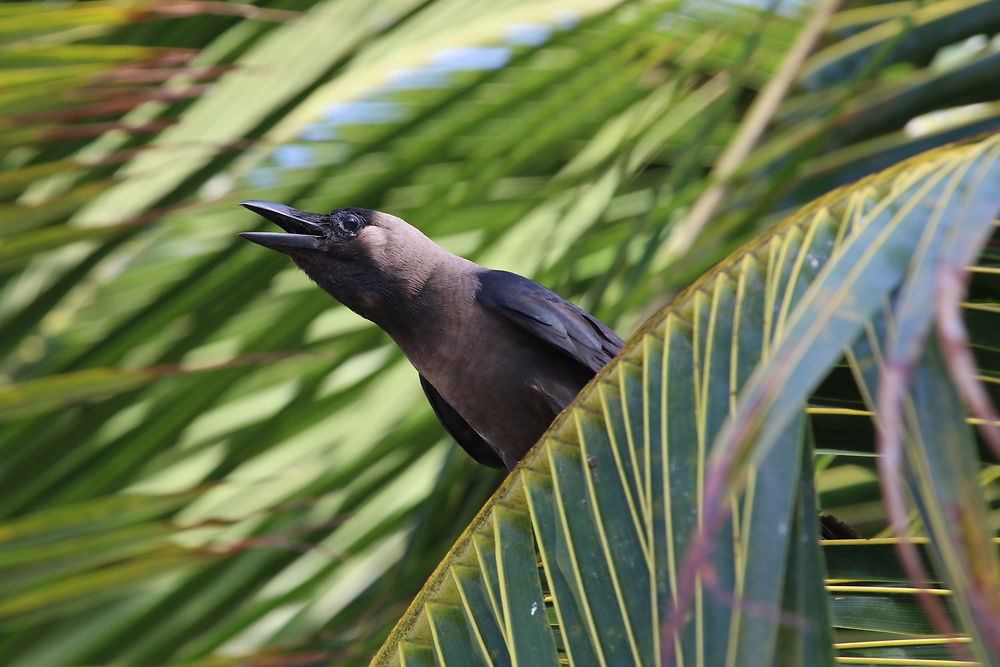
{"x":672,"y":505}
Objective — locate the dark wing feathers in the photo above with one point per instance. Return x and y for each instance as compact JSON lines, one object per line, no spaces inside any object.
{"x":459,"y":429}
{"x":549,"y":317}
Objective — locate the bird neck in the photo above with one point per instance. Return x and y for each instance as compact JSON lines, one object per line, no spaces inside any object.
{"x":436,"y":316}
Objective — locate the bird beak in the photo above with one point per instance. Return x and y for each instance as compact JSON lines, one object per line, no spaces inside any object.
{"x":303,"y":234}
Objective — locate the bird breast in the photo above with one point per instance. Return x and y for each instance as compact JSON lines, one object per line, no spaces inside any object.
{"x":505,"y":383}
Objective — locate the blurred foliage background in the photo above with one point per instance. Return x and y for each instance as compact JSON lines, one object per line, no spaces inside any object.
{"x":205,"y":459}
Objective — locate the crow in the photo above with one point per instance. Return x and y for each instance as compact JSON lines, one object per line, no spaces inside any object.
{"x":499,"y":356}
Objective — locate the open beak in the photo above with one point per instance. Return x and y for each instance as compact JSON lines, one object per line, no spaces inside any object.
{"x":303,"y":234}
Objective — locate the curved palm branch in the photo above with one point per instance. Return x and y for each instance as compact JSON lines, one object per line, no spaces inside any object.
{"x":672,"y":506}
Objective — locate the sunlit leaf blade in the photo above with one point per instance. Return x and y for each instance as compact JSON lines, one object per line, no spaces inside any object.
{"x":75,"y":558}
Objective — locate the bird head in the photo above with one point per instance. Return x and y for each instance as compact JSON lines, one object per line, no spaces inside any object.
{"x":368,"y":260}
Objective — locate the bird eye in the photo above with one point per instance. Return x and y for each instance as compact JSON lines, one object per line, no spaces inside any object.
{"x":349,"y":223}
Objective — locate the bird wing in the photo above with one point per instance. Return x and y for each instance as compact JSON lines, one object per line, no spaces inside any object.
{"x":546,"y":315}
{"x":459,"y":429}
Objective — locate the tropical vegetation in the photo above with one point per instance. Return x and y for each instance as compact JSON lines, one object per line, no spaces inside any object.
{"x":206,"y":461}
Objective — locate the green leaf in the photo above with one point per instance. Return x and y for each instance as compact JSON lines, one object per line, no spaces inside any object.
{"x":809,"y":288}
